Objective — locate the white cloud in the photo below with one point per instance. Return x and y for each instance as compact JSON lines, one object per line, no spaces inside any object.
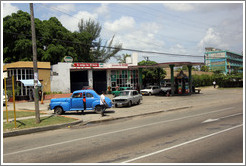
{"x":179,"y":6}
{"x":8,"y":9}
{"x":66,"y":7}
{"x":212,"y":39}
{"x":71,"y":22}
{"x":103,"y":9}
{"x":203,"y":7}
{"x":124,"y":23}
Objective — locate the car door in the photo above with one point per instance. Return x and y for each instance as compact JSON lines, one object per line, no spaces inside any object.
{"x":89,"y":100}
{"x":135,"y":96}
{"x":77,"y":102}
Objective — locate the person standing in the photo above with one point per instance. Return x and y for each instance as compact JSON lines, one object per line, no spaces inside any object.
{"x":102,"y":103}
{"x":84,"y":102}
{"x":214,"y":83}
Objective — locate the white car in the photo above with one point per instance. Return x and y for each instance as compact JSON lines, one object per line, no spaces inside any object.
{"x":151,"y":90}
{"x":127,"y":98}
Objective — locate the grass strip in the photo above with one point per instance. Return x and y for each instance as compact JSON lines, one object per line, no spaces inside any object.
{"x":30,"y":123}
{"x":19,"y":114}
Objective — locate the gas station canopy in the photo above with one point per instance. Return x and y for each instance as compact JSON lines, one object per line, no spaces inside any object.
{"x":167,"y":64}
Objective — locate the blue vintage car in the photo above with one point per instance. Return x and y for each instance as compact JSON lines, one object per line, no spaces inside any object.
{"x":75,"y":102}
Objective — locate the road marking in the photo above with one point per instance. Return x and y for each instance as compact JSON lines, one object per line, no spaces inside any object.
{"x":212,"y":120}
{"x":113,"y":132}
{"x":176,"y":146}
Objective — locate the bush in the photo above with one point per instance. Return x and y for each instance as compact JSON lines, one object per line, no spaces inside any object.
{"x":229,"y":80}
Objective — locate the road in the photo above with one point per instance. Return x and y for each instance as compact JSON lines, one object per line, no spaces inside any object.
{"x":212,"y":134}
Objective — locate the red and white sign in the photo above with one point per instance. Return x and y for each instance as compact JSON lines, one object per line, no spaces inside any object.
{"x":86,"y":65}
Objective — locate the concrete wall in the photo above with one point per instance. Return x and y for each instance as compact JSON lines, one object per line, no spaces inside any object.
{"x":61,"y":81}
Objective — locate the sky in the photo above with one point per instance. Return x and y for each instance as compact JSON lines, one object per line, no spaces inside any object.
{"x":182,"y":28}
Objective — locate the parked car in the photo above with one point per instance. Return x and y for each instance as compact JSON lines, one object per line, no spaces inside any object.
{"x":166,"y":89}
{"x":117,"y":92}
{"x":75,"y":102}
{"x":4,"y":99}
{"x":151,"y":90}
{"x":127,"y":98}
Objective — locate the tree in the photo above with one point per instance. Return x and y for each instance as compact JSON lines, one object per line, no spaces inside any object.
{"x":53,"y":40}
{"x":122,"y":59}
{"x":151,"y":75}
{"x":92,"y":47}
{"x":205,"y":68}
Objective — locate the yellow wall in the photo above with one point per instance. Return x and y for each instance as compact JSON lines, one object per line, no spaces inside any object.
{"x":44,"y":78}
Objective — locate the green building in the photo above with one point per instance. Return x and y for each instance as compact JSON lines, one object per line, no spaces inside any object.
{"x":223,"y":60}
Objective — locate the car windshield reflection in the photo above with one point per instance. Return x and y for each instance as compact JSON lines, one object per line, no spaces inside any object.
{"x":124,"y":93}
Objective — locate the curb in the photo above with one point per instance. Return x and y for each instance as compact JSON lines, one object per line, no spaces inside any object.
{"x":39,"y":129}
{"x":53,"y":127}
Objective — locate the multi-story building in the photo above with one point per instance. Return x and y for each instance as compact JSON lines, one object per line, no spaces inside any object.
{"x":222,"y":60}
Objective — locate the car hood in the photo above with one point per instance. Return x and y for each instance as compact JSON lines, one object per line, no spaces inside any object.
{"x":121,"y":97}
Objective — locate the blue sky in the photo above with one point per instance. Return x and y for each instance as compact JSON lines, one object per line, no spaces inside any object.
{"x":176,"y":27}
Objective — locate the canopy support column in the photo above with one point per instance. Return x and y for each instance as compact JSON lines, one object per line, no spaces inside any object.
{"x":190,"y":78}
{"x":172,"y":79}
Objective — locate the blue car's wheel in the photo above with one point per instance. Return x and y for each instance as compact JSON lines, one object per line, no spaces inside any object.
{"x":58,"y":110}
{"x":98,"y":109}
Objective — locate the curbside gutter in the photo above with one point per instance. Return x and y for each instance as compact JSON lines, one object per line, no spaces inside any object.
{"x":58,"y":126}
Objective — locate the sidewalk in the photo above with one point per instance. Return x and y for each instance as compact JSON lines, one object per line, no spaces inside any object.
{"x":149,"y":105}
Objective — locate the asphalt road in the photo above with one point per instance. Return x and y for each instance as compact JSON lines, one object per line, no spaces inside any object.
{"x":212,"y":134}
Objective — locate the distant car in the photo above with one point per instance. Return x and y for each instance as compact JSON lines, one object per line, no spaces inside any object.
{"x":75,"y":102}
{"x":151,"y":90}
{"x":166,"y":89}
{"x":117,"y":92}
{"x":4,"y":99}
{"x":127,"y":98}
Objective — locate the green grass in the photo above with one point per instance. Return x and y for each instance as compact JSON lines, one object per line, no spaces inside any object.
{"x":30,"y":123}
{"x":18,"y":114}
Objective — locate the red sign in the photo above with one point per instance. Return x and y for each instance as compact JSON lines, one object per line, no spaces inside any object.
{"x":86,"y":65}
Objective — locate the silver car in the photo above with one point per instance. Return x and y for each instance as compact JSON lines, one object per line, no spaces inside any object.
{"x":127,"y":98}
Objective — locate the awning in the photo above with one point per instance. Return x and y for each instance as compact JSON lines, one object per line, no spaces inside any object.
{"x":29,"y":82}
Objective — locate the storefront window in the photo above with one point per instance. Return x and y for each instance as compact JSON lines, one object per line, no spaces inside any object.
{"x":124,"y":78}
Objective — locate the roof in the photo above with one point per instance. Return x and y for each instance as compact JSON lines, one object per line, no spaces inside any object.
{"x":167,"y":64}
{"x":26,"y":64}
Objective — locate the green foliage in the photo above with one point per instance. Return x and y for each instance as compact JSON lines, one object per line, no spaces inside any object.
{"x":151,"y":75}
{"x":54,"y":41}
{"x":123,"y":58}
{"x":205,"y":68}
{"x":229,"y":80}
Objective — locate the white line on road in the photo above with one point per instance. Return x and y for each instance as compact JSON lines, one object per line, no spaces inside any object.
{"x":224,"y":117}
{"x":176,"y":146}
{"x":113,"y":132}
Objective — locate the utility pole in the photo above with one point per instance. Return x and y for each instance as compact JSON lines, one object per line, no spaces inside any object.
{"x":35,"y":67}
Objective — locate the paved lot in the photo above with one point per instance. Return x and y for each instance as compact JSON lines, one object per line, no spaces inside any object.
{"x":150,"y":104}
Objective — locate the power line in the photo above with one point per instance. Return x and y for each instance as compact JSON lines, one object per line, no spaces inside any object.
{"x":122,"y":49}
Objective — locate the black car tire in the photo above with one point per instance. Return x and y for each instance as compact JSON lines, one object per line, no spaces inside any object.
{"x":98,"y":109}
{"x":138,"y":102}
{"x":130,"y":103}
{"x":58,"y":110}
